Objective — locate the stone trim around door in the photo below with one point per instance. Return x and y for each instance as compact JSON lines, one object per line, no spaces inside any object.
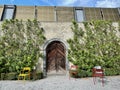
{"x":45,"y":58}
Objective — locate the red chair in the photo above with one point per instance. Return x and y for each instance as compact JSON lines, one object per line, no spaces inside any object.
{"x":73,"y":71}
{"x":98,"y":73}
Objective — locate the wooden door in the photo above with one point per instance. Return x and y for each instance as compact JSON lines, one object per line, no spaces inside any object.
{"x":55,"y":57}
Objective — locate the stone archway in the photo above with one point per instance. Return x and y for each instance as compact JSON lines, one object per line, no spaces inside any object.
{"x":55,"y":57}
{"x":46,"y":45}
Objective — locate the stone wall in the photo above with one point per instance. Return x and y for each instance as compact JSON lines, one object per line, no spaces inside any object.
{"x":26,"y":12}
{"x":57,"y":30}
{"x":1,"y":10}
{"x":45,"y":13}
{"x":60,"y":31}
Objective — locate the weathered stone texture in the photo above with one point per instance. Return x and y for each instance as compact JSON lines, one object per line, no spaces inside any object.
{"x":65,"y":14}
{"x":25,"y":13}
{"x":45,"y":14}
{"x":57,"y":30}
{"x":1,"y":10}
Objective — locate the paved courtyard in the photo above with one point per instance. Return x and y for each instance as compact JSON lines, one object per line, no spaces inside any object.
{"x":63,"y":83}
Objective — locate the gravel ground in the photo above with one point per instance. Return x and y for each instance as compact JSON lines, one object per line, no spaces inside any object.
{"x":63,"y":83}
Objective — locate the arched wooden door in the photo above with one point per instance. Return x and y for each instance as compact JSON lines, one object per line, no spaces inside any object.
{"x":55,"y":52}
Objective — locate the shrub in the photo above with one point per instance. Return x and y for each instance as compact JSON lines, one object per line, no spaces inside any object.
{"x":112,"y":71}
{"x":19,"y":45}
{"x":97,"y":45}
{"x":39,"y":75}
{"x":2,"y":76}
{"x":84,"y":73}
{"x":36,"y":75}
{"x":11,"y":76}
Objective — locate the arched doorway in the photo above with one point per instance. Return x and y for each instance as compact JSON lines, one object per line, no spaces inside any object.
{"x":55,"y":58}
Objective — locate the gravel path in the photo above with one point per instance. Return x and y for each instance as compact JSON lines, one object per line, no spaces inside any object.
{"x":62,"y":83}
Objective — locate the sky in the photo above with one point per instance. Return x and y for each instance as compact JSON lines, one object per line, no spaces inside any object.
{"x":80,"y":3}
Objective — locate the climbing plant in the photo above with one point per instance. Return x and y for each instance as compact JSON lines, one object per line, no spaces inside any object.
{"x":20,"y":44}
{"x":98,"y":44}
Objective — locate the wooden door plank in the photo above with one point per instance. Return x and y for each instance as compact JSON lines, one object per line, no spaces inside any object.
{"x":55,"y":56}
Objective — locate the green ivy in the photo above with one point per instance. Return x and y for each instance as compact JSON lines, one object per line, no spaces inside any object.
{"x":19,"y":44}
{"x":98,"y":44}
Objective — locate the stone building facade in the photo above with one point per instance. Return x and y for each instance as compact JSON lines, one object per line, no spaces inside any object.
{"x":56,"y":22}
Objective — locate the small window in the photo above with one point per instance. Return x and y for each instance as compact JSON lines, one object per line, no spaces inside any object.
{"x":79,"y":15}
{"x":8,"y":12}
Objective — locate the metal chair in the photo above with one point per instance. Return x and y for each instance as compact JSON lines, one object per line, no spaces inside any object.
{"x":73,"y":70}
{"x":25,"y":72}
{"x":98,"y":72}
